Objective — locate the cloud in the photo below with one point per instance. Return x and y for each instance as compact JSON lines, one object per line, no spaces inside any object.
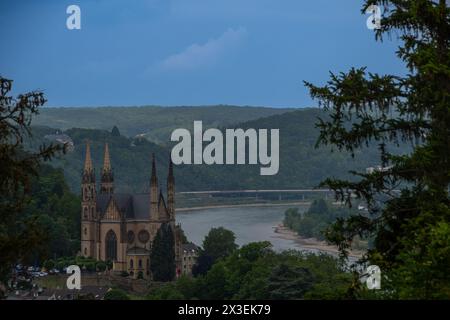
{"x":201,"y":55}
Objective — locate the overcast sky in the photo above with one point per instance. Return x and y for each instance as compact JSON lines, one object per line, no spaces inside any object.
{"x":185,"y":52}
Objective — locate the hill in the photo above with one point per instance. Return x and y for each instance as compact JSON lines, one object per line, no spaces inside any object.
{"x":152,"y":122}
{"x":301,"y":164}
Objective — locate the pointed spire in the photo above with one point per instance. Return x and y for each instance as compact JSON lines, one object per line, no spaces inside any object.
{"x":106,"y":159}
{"x":170,"y":176}
{"x":88,"y":160}
{"x":171,"y":191}
{"x":154,"y":191}
{"x":107,"y":178}
{"x":154,"y":179}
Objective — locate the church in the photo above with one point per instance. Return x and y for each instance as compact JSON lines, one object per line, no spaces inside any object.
{"x":120,"y":227}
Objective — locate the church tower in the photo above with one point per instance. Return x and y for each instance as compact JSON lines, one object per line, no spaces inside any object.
{"x":154,"y":192}
{"x":171,"y":191}
{"x":107,"y":178}
{"x":88,"y":207}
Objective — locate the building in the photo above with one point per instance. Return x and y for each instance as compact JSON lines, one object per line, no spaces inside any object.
{"x":120,"y":227}
{"x":189,"y":257}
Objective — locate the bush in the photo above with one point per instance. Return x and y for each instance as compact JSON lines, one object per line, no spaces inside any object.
{"x":116,"y":294}
{"x":49,"y":264}
{"x":90,"y":266}
{"x":100,"y":266}
{"x":61,"y":265}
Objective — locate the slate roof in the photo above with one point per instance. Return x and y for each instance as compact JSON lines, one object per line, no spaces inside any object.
{"x":189,"y":247}
{"x":135,"y":206}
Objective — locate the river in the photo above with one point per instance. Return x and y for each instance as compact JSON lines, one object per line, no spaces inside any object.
{"x":250,"y":224}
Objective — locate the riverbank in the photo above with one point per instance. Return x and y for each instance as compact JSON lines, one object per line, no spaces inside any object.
{"x":311,"y":243}
{"x":302,"y":203}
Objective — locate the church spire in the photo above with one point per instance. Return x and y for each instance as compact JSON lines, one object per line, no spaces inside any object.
{"x":171,"y":191}
{"x":88,"y":175}
{"x":153,"y":190}
{"x":107,"y":180}
{"x":88,"y":206}
{"x":88,"y":160}
{"x":154,"y":178}
{"x":106,"y":159}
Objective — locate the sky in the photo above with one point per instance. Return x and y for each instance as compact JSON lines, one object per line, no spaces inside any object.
{"x":186,"y":52}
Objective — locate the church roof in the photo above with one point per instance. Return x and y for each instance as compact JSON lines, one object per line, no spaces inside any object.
{"x":135,"y":206}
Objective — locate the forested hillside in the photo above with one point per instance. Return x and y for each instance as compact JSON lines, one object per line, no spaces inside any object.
{"x":301,"y":164}
{"x":152,"y":122}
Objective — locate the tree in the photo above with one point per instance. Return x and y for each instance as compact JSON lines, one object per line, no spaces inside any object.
{"x":100,"y":266}
{"x":218,"y":243}
{"x":162,"y":257}
{"x":290,"y":282}
{"x":115,"y":132}
{"x":387,"y":110}
{"x":19,"y":235}
{"x":49,"y":264}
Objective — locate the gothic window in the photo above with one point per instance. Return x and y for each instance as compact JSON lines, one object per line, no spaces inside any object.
{"x":85,"y":231}
{"x":85,"y":213}
{"x":111,"y":246}
{"x":131,"y":263}
{"x":143,"y":236}
{"x":92,"y":213}
{"x":130,"y":237}
{"x":85,"y":251}
{"x":140,"y":263}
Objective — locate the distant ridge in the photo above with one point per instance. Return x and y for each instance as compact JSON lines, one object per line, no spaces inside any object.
{"x":152,"y":122}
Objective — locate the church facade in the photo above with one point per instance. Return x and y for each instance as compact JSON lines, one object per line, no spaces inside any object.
{"x":120,"y":227}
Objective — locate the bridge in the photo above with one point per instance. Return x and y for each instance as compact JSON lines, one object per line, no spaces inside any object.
{"x":256,"y":192}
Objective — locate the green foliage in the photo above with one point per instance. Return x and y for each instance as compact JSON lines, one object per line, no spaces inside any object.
{"x":410,"y":227}
{"x":115,"y":132}
{"x":153,"y":122}
{"x":255,"y":271}
{"x":287,"y":282}
{"x":19,"y":232}
{"x":301,"y":165}
{"x":218,"y":243}
{"x":162,"y":257}
{"x":56,"y":212}
{"x":49,"y":264}
{"x":116,"y":294}
{"x":100,"y":266}
{"x":314,"y":222}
